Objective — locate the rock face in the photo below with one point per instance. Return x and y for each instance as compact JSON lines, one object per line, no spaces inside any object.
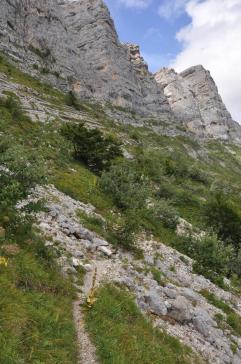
{"x":194,"y":99}
{"x":73,"y":45}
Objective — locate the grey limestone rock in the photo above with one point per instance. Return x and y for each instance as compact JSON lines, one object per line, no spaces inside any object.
{"x":194,"y":99}
{"x":73,"y":45}
{"x":190,"y":294}
{"x":181,"y":310}
{"x":203,"y":322}
{"x":77,"y":41}
{"x":99,"y":242}
{"x":170,"y":293}
{"x":156,"y":304}
{"x":106,"y":251}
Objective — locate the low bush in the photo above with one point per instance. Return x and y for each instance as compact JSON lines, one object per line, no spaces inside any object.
{"x":91,"y":147}
{"x":20,"y":170}
{"x":125,"y":232}
{"x":196,"y":174}
{"x":225,"y":219}
{"x":179,"y":168}
{"x":212,"y":257}
{"x":176,"y":168}
{"x":13,"y":106}
{"x":127,"y":186}
{"x":72,"y":101}
{"x":164,"y":212}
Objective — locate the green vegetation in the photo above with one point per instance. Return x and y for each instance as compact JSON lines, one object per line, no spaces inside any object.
{"x":36,"y":301}
{"x":167,"y":177}
{"x":155,"y":189}
{"x":224,"y":217}
{"x":35,"y":307}
{"x":71,"y":100}
{"x":78,"y":182}
{"x":212,"y":257}
{"x":14,"y":74}
{"x":233,"y":319}
{"x":121,"y":334}
{"x":91,"y":147}
{"x":126,"y":185}
{"x":92,"y":222}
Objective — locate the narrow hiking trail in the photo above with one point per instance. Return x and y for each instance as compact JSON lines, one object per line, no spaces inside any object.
{"x":162,"y":281}
{"x":101,"y":270}
{"x":85,"y":347}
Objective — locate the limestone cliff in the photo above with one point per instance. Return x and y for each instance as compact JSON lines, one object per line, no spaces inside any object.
{"x":73,"y":45}
{"x":194,"y":99}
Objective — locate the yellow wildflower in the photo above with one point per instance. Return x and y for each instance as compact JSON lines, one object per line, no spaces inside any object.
{"x":91,"y":296}
{"x":3,"y":261}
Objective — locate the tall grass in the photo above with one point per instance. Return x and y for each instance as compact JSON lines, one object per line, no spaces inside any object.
{"x":122,"y":335}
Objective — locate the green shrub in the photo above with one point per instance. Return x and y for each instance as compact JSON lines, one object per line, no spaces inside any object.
{"x":212,"y":257}
{"x":179,"y":168}
{"x":235,"y":265}
{"x":225,"y":219}
{"x":151,"y":163}
{"x":12,"y":104}
{"x":124,"y":233}
{"x":196,"y":174}
{"x":163,"y":211}
{"x":71,"y":100}
{"x":126,"y":185}
{"x":91,"y":147}
{"x":20,"y":171}
{"x":176,"y":168}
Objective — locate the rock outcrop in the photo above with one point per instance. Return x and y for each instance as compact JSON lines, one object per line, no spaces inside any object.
{"x":176,"y":301}
{"x":73,"y":45}
{"x":194,"y":99}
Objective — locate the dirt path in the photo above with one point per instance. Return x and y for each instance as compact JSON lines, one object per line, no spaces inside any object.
{"x":85,"y":347}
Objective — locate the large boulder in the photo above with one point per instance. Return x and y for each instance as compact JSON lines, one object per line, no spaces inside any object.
{"x":181,"y":310}
{"x":155,"y":303}
{"x":203,"y":322}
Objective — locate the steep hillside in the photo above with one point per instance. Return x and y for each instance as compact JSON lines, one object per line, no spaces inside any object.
{"x":137,"y":225}
{"x":120,"y":199}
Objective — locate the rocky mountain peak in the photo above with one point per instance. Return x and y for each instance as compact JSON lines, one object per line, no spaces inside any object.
{"x":137,"y":60}
{"x":78,"y":41}
{"x":193,"y":97}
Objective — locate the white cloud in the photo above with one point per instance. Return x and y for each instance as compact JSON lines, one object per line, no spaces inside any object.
{"x":172,"y":9}
{"x":141,"y":4}
{"x":213,"y":39}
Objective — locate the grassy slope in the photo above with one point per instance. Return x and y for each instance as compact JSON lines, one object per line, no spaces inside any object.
{"x":35,"y":308}
{"x":122,"y":335}
{"x":36,"y":300}
{"x":45,"y":332}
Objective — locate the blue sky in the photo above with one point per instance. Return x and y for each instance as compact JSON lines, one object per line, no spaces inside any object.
{"x":156,"y":35}
{"x":183,"y":33}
